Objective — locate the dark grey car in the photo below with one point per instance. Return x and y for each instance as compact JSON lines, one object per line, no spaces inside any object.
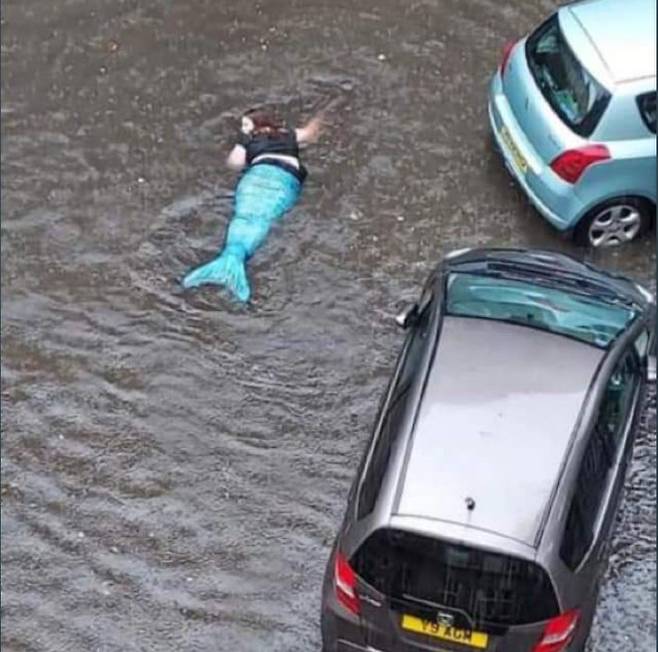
{"x":480,"y":516}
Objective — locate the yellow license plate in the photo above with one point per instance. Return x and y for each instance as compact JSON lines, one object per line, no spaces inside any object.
{"x":445,"y":632}
{"x":519,"y":159}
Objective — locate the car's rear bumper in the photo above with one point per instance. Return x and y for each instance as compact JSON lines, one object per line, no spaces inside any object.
{"x":346,"y":646}
{"x":340,"y":633}
{"x":553,"y":198}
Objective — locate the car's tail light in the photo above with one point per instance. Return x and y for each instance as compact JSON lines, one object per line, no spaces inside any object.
{"x":571,"y":164}
{"x":345,"y":582}
{"x":507,"y":51}
{"x":558,"y":632}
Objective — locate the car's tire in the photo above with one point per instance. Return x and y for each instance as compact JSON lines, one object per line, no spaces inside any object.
{"x":615,"y":222}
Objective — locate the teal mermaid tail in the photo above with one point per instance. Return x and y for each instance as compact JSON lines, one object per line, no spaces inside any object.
{"x":264,"y":194}
{"x":227,"y":269}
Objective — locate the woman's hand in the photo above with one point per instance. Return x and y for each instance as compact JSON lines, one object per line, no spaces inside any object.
{"x":310,"y":132}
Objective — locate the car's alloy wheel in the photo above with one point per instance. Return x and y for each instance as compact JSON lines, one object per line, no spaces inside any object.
{"x":614,"y":223}
{"x":614,"y":226}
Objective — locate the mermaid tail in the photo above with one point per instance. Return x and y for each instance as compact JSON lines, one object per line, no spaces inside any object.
{"x":227,"y":269}
{"x":264,"y":194}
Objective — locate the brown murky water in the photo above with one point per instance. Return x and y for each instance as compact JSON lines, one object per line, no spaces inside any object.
{"x":174,"y":467}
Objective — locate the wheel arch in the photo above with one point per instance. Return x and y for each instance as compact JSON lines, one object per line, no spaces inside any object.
{"x":603,"y":199}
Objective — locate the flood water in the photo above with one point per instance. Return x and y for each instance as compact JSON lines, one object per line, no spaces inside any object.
{"x":174,"y":466}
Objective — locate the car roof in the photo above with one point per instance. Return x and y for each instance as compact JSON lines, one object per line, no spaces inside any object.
{"x":624,"y":34}
{"x":494,"y":424}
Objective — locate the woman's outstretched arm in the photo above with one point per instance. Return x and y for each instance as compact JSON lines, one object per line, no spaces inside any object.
{"x":311,"y":131}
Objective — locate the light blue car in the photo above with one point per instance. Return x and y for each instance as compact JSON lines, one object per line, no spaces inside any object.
{"x":573,"y":111}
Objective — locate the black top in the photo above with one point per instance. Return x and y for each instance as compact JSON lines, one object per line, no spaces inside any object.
{"x":284,"y":142}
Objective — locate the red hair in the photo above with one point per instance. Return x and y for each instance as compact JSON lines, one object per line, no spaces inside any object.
{"x":264,"y":122}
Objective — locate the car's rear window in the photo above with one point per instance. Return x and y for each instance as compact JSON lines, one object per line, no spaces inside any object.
{"x":576,"y":315}
{"x":493,"y":589}
{"x":577,"y":98}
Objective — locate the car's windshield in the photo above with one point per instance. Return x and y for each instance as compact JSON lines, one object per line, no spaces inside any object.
{"x":573,"y":93}
{"x":588,"y":319}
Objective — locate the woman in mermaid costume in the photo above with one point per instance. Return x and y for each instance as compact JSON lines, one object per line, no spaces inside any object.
{"x":269,"y":187}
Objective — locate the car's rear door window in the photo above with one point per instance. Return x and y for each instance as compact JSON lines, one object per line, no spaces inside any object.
{"x":381,"y":454}
{"x":390,"y":423}
{"x":577,"y":98}
{"x":646,"y":104}
{"x":587,"y":499}
{"x":494,"y":590}
{"x":598,"y":460}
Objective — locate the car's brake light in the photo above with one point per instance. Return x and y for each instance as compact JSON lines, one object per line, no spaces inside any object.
{"x":507,"y":51}
{"x":345,"y":582}
{"x":558,"y":632}
{"x":571,"y":164}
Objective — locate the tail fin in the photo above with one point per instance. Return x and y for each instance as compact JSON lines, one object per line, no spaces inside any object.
{"x":227,"y":269}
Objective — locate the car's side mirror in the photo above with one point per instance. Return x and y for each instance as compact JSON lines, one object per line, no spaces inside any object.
{"x":651,"y":368}
{"x":407,"y":316}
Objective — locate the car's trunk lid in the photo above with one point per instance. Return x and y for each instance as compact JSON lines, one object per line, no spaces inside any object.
{"x":414,"y":626}
{"x":418,"y":593}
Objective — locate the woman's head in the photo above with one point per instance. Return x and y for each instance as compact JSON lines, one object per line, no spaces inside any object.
{"x":258,"y":121}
